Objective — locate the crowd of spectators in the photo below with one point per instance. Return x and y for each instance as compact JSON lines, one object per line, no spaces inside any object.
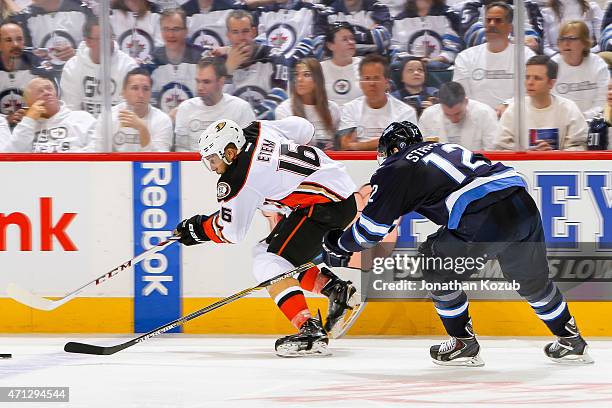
{"x":351,"y":67}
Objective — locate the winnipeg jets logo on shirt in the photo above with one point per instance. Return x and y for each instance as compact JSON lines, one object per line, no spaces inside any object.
{"x":342,"y":87}
{"x":11,"y":100}
{"x":136,"y":43}
{"x":171,"y":96}
{"x":425,"y":43}
{"x":282,"y":36}
{"x":252,"y":94}
{"x":207,"y":39}
{"x":55,"y":40}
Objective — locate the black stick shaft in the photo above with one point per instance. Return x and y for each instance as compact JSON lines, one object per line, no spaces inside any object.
{"x":83,"y":348}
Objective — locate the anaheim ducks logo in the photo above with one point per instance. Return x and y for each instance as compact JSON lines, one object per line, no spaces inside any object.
{"x":220,"y":126}
{"x":223,"y":190}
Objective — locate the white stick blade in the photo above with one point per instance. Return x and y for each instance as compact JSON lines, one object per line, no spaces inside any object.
{"x":23,"y":296}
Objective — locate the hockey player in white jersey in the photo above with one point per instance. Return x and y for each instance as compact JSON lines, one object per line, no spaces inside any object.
{"x":268,"y":166}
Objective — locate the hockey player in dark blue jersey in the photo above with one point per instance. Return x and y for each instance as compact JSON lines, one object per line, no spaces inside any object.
{"x":483,"y":208}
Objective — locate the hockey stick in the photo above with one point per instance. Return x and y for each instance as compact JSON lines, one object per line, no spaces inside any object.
{"x":82,"y":348}
{"x":27,"y":298}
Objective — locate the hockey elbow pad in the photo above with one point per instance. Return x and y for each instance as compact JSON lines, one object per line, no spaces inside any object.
{"x":191,"y":231}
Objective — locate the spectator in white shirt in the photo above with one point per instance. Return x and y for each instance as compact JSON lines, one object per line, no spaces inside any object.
{"x":457,"y":119}
{"x":341,"y":72}
{"x":583,"y":76}
{"x":194,"y":115}
{"x":309,"y":100}
{"x":486,"y":71}
{"x":136,"y":125}
{"x":49,"y":126}
{"x":553,"y":122}
{"x":363,"y":119}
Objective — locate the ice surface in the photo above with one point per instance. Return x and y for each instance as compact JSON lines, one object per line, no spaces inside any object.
{"x":201,"y":371}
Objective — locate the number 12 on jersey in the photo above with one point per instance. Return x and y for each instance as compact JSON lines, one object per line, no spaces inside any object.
{"x":446,"y":163}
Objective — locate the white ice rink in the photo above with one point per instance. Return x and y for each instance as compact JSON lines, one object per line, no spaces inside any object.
{"x":193,"y":371}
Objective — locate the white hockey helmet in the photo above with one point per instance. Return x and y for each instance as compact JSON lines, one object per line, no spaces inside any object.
{"x":217,"y":136}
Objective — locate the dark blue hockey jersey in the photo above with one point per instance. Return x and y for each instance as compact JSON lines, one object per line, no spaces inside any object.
{"x":437,"y":180}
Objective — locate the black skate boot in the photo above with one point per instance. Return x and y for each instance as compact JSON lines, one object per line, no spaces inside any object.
{"x":571,"y":349}
{"x":310,"y":340}
{"x":458,"y":351}
{"x":342,"y":297}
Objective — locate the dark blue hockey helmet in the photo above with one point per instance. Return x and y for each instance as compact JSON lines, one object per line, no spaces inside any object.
{"x":397,"y":135}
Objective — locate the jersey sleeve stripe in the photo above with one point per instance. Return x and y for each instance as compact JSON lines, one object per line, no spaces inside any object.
{"x":457,"y":202}
{"x":213,"y":230}
{"x":373,"y":227}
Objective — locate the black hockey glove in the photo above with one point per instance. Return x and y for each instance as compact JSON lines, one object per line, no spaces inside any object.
{"x":333,"y":255}
{"x":191,"y":230}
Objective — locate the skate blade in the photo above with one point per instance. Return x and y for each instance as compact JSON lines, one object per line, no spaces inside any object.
{"x":574,"y":359}
{"x":349,"y":317}
{"x":290,"y":350}
{"x":475,"y":361}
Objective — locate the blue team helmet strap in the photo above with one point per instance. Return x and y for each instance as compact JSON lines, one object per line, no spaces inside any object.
{"x":397,"y":135}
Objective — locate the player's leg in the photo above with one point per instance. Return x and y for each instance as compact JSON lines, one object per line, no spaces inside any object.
{"x":526,"y":263}
{"x":288,"y":296}
{"x":341,"y":294}
{"x":452,"y":306}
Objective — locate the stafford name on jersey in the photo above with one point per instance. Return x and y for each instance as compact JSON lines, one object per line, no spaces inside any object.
{"x":417,"y":154}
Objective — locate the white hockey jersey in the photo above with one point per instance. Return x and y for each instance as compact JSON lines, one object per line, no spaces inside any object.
{"x":137,"y":37}
{"x":285,"y":28}
{"x":11,"y":90}
{"x":273,"y":172}
{"x":52,"y":29}
{"x":66,"y":131}
{"x":174,"y":83}
{"x":193,"y":117}
{"x":80,"y":83}
{"x":208,"y":30}
{"x":125,"y":139}
{"x":430,"y":36}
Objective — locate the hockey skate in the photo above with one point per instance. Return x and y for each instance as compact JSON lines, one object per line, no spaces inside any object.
{"x":344,"y":306}
{"x":458,"y":351}
{"x":310,"y":340}
{"x":569,"y":350}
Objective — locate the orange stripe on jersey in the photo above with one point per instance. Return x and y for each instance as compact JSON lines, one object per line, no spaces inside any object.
{"x":296,"y":199}
{"x":297,"y":227}
{"x":211,"y":232}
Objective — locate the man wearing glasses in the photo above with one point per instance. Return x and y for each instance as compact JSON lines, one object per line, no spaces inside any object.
{"x":174,"y":64}
{"x":363,"y":119}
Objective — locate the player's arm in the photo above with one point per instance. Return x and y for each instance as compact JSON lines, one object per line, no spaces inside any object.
{"x":296,"y":129}
{"x":387,"y":203}
{"x":228,"y":225}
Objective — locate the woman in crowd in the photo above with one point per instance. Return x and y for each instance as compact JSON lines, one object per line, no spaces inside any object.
{"x":583,"y":76}
{"x":559,"y":11}
{"x":309,"y":100}
{"x":412,"y":89}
